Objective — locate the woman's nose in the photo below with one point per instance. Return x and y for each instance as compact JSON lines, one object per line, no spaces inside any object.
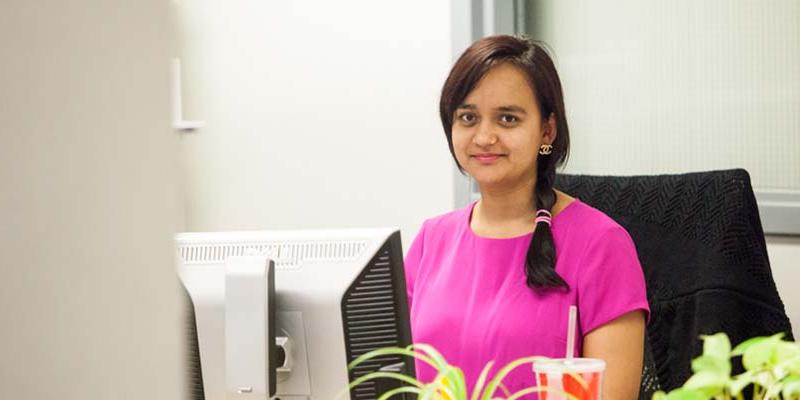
{"x":484,"y":136}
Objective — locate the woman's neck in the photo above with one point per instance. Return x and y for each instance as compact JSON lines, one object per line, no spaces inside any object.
{"x":510,"y":212}
{"x":505,"y":205}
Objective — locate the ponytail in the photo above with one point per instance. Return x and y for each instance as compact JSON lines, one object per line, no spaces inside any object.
{"x":540,"y":263}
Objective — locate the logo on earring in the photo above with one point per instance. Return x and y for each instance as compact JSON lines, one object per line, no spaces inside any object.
{"x":546,"y":149}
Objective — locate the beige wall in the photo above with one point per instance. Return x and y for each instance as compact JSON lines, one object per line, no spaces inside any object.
{"x":88,"y":206}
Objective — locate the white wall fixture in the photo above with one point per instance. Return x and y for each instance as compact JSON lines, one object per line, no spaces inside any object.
{"x":178,"y":122}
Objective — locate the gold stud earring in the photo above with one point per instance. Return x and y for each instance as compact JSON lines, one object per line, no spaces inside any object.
{"x":546,"y":149}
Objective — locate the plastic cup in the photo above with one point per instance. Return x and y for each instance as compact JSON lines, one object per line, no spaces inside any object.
{"x":580,"y":377}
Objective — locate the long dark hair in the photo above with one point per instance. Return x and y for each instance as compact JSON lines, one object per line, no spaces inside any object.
{"x":532,"y":58}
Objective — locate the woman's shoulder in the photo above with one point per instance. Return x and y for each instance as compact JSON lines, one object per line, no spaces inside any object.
{"x":590,"y":221}
{"x":440,"y":228}
{"x":595,"y":240}
{"x":447,"y":221}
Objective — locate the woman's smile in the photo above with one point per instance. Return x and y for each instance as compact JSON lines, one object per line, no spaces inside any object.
{"x":487,"y":158}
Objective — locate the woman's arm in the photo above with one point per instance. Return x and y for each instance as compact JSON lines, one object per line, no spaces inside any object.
{"x":621,"y":344}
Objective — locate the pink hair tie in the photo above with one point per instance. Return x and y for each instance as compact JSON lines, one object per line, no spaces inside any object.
{"x":543,"y":216}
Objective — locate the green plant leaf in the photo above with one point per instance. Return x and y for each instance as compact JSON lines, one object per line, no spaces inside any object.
{"x":503,"y":388}
{"x":774,"y":391}
{"x":681,"y":394}
{"x":707,"y":382}
{"x":447,"y":391}
{"x":705,"y":363}
{"x":492,"y":386}
{"x":787,"y":351}
{"x":739,"y":382}
{"x":791,"y":387}
{"x":763,"y":378}
{"x":390,"y":375}
{"x":404,"y":389}
{"x":659,"y":395}
{"x":792,"y":366}
{"x":437,"y":360}
{"x":427,"y":392}
{"x":461,"y":384}
{"x":455,"y":383}
{"x":742,"y":347}
{"x":481,"y":380}
{"x":439,"y":385}
{"x":717,"y":346}
{"x":762,"y":353}
{"x":390,"y":351}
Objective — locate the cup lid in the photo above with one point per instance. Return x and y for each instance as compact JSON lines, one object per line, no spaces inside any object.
{"x":561,"y":365}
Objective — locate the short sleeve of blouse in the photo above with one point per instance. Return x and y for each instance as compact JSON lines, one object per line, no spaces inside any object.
{"x":611,"y":283}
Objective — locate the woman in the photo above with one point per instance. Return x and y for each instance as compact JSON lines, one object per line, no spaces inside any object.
{"x":494,"y":281}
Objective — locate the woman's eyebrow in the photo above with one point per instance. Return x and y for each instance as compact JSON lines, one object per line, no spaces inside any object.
{"x":509,"y":108}
{"x":516,"y":109}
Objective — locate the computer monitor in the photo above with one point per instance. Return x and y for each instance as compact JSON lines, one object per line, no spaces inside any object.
{"x":338,"y":294}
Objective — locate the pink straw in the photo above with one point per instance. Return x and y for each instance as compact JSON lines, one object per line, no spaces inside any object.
{"x":573,"y":316}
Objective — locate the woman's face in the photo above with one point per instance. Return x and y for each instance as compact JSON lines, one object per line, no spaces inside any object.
{"x":497,"y":131}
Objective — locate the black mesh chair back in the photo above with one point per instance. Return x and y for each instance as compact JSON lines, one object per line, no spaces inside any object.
{"x":702,"y":248}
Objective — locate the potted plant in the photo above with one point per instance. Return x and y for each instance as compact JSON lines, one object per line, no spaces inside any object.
{"x":772,"y":369}
{"x":449,"y":383}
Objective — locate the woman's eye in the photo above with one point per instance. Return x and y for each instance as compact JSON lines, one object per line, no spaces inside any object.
{"x":467,"y":118}
{"x":508,"y":119}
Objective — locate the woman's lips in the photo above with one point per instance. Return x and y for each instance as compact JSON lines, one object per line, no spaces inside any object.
{"x":486,"y":158}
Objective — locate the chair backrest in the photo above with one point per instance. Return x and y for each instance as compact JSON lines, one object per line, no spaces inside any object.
{"x":702,"y":248}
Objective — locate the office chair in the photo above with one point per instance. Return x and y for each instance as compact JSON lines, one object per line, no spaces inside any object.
{"x":702,"y":249}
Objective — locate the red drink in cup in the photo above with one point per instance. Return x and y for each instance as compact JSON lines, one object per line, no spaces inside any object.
{"x":580,"y":377}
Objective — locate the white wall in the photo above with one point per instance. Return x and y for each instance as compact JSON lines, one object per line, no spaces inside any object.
{"x":88,"y":205}
{"x":323,"y":114}
{"x":319,"y":114}
{"x":668,"y":87}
